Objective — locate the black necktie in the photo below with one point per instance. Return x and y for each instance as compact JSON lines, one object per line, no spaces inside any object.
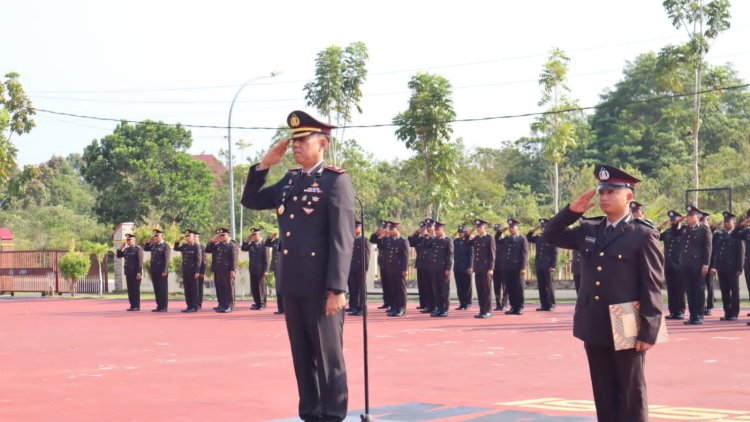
{"x":608,"y":232}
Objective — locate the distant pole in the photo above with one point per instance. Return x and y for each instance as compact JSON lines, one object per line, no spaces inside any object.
{"x":229,"y":144}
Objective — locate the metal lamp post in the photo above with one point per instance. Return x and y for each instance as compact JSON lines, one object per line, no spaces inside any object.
{"x":229,"y":144}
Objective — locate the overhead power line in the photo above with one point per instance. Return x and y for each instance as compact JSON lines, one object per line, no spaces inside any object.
{"x":378,"y":125}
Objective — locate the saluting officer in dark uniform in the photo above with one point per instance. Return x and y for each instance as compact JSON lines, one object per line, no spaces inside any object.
{"x":224,"y":254}
{"x":315,"y":207}
{"x":159,"y":268}
{"x":201,"y":271}
{"x":273,"y":242}
{"x":463,"y":260}
{"x":621,"y":261}
{"x":675,"y":285}
{"x":514,"y":256}
{"x":499,"y":285}
{"x":546,"y":264}
{"x":438,"y":265}
{"x":637,"y":210}
{"x":695,"y":256}
{"x":358,"y":271}
{"x":727,"y":255}
{"x":483,"y":266}
{"x":395,"y":266}
{"x":191,"y":266}
{"x":258,"y":255}
{"x":380,"y":239}
{"x":133,"y":269}
{"x":417,"y":241}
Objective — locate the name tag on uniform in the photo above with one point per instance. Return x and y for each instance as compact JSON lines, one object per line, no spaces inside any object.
{"x":590,"y":239}
{"x":312,"y":189}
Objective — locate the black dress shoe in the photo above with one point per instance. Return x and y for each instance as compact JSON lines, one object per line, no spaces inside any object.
{"x":216,"y":308}
{"x":156,"y":310}
{"x":279,"y":312}
{"x":162,"y":310}
{"x":679,"y":316}
{"x":398,"y":313}
{"x":426,"y":311}
{"x":226,"y":310}
{"x":219,"y":309}
{"x":442,"y":314}
{"x":418,"y":308}
{"x":133,"y":309}
{"x":357,"y":313}
{"x":541,"y":309}
{"x":383,"y":306}
{"x":707,"y":311}
{"x":498,"y":308}
{"x":460,"y":308}
{"x":670,"y":316}
{"x":435,"y":313}
{"x":732,"y":318}
{"x":510,"y":311}
{"x":483,"y":315}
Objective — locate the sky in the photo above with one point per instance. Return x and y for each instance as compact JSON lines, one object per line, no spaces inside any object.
{"x":183,"y":62}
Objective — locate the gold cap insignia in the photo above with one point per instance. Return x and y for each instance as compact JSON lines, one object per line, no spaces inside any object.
{"x":294,"y":120}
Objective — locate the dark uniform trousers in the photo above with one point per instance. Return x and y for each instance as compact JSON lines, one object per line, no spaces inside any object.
{"x":695,"y":287}
{"x":500,"y":288}
{"x":160,"y":289}
{"x":729,"y":282}
{"x":426,"y":289}
{"x":619,"y":387}
{"x":134,"y":290}
{"x":386,"y":285}
{"x":440,"y":287}
{"x":546,"y":292}
{"x":224,"y":289}
{"x":710,"y":298}
{"x":191,"y":289}
{"x":463,"y":287}
{"x":514,"y":284}
{"x":484,"y":288}
{"x":577,"y":281}
{"x":258,"y":287}
{"x":394,"y":279}
{"x":356,"y":284}
{"x":675,"y":289}
{"x":320,"y":371}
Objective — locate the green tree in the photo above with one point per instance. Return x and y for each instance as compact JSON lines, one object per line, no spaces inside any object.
{"x":73,"y":266}
{"x":100,"y":251}
{"x":557,"y":125}
{"x":703,"y":22}
{"x":143,"y":170}
{"x":425,"y":128}
{"x":16,"y":113}
{"x":337,"y":88}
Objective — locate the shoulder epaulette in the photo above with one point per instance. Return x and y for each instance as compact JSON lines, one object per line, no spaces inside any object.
{"x":295,"y":169}
{"x":335,"y":169}
{"x":645,"y":222}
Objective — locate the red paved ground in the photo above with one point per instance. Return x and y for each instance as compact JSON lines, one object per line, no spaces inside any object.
{"x":82,"y":359}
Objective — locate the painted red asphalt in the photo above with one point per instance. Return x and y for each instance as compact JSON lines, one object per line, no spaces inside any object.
{"x":83,"y":359}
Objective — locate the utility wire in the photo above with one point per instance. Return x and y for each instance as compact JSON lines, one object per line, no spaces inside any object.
{"x":475,"y":119}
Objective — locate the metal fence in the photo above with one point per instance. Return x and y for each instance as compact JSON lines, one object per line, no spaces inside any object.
{"x":37,"y":271}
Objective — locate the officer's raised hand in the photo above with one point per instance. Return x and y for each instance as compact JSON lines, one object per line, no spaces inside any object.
{"x":583,"y":203}
{"x":275,"y":154}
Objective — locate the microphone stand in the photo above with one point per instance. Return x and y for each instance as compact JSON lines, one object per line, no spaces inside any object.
{"x":366,"y":416}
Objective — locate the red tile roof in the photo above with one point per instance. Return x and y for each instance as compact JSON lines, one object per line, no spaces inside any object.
{"x":6,"y":234}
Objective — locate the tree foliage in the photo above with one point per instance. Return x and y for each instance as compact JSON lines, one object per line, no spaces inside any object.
{"x":16,"y":117}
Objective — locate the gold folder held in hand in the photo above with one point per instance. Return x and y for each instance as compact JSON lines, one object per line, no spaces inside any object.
{"x":626,"y":323}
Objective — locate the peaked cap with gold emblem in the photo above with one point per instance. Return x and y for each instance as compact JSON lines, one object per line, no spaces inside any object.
{"x":303,"y":124}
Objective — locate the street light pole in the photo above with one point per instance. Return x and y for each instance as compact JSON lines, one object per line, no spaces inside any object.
{"x":229,"y":143}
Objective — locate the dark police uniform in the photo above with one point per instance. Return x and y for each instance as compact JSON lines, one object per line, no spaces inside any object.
{"x":191,"y":265}
{"x":463,"y":261}
{"x":546,"y":260}
{"x":224,"y":256}
{"x":695,"y":252}
{"x":381,"y":244}
{"x":514,"y":256}
{"x":575,"y":267}
{"x":160,"y":254}
{"x":744,"y":234}
{"x":709,"y":278}
{"x":484,"y":261}
{"x":357,"y":274}
{"x":438,"y":263}
{"x":258,"y":255}
{"x":315,"y":215}
{"x":201,"y":275}
{"x":417,"y":241}
{"x":500,"y":286}
{"x":727,"y":257}
{"x":274,"y":243}
{"x":620,"y":263}
{"x":133,"y":267}
{"x":395,"y":264}
{"x":675,"y":286}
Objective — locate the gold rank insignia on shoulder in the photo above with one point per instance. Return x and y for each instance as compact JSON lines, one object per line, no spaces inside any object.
{"x":280,"y":210}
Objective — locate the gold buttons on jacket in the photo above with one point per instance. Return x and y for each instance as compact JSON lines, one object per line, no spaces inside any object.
{"x":286,"y":252}
{"x":294,"y":198}
{"x":291,"y":216}
{"x":312,"y":253}
{"x":601,"y":253}
{"x":598,"y":283}
{"x":288,"y":234}
{"x":619,"y":256}
{"x":596,"y":297}
{"x":599,"y":269}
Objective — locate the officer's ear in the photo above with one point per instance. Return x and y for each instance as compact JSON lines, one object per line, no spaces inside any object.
{"x":323,"y":142}
{"x":630,"y":195}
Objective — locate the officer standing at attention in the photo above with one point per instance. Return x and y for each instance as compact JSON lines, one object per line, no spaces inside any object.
{"x":483,"y":266}
{"x":726,"y":260}
{"x":395,"y":266}
{"x":500,"y":288}
{"x":514,"y":256}
{"x":159,"y":268}
{"x":695,"y":256}
{"x":133,"y":268}
{"x":438,"y":265}
{"x":224,"y":265}
{"x":417,"y":241}
{"x":315,"y":207}
{"x":258,"y":255}
{"x":191,"y":267}
{"x":621,"y":261}
{"x":358,"y":271}
{"x":708,"y":279}
{"x":201,"y":271}
{"x":273,"y":242}
{"x":380,"y":239}
{"x":546,"y":263}
{"x":463,"y":259}
{"x":675,"y":285}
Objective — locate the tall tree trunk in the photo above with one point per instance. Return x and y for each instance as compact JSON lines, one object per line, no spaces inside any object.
{"x":557,"y":187}
{"x":697,"y":108}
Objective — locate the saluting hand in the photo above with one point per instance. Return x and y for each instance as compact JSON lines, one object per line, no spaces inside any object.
{"x":275,"y":154}
{"x":583,"y":203}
